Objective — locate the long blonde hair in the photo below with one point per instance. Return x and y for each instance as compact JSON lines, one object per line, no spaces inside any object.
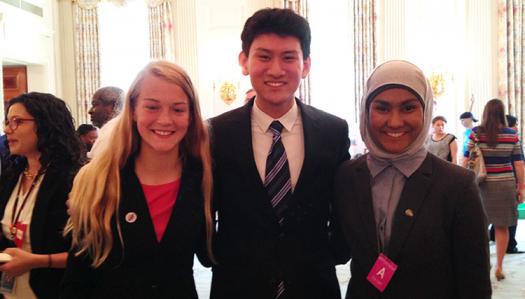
{"x":95,"y":196}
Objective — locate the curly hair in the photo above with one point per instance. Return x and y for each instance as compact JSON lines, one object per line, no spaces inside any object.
{"x":58,"y":142}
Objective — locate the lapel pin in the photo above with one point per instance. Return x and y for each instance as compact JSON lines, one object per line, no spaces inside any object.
{"x":409,"y":213}
{"x":131,"y":217}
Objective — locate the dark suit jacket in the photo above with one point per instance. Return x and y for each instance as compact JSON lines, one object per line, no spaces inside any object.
{"x":441,"y":251}
{"x":47,"y":222}
{"x":251,"y":248}
{"x":145,"y":268}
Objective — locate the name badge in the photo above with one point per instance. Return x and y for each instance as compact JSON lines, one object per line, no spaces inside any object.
{"x":19,"y":231}
{"x":381,"y":272}
{"x":7,"y":284}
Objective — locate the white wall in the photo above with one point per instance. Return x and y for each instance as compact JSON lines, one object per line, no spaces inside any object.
{"x":455,"y":38}
{"x":218,"y":28}
{"x":64,"y":55}
{"x":28,"y":39}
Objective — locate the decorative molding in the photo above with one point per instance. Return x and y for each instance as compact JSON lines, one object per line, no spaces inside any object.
{"x":24,"y":5}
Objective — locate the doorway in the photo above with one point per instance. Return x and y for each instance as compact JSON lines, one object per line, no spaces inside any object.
{"x":15,"y":81}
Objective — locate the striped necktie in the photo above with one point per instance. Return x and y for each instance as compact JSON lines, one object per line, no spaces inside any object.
{"x":277,"y":180}
{"x":278,"y":184}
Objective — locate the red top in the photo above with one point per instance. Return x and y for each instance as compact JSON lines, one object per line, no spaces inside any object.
{"x":161,"y":199}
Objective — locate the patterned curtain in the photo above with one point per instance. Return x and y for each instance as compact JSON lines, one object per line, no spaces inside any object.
{"x":511,"y":65}
{"x":364,"y":46}
{"x":161,"y":39}
{"x":301,"y":8}
{"x":86,"y":55}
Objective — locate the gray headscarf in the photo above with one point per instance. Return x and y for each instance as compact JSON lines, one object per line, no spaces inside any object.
{"x":396,"y":73}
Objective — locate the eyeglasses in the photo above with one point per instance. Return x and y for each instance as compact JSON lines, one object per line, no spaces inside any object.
{"x":14,"y":122}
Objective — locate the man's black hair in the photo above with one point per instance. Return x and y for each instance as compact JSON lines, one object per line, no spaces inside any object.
{"x":283,"y":22}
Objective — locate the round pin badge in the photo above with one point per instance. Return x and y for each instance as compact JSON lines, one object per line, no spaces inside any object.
{"x":131,"y":217}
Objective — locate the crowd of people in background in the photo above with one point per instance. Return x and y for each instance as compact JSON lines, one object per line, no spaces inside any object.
{"x":265,"y":194}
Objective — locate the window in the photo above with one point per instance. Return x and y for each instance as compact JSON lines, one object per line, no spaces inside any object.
{"x":124,"y":42}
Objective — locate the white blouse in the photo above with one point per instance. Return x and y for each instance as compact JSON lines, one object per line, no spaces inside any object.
{"x":22,"y":289}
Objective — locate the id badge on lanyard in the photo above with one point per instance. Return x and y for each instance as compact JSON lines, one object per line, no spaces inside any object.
{"x":382,"y":272}
{"x":383,"y":269}
{"x":18,"y":232}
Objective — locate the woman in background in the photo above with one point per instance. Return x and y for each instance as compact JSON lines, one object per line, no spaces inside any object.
{"x":142,"y":208}
{"x":45,"y":154}
{"x":395,"y":208}
{"x":503,"y":158}
{"x":440,"y":143}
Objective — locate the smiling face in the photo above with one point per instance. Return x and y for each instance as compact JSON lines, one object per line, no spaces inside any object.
{"x":276,"y":66}
{"x":23,"y":140}
{"x":395,"y":119}
{"x":162,"y":115}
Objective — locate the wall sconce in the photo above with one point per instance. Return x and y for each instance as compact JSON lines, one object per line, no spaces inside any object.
{"x":437,"y":82}
{"x":228,"y":92}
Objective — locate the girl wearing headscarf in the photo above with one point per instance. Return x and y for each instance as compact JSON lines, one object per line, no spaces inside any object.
{"x":414,"y":223}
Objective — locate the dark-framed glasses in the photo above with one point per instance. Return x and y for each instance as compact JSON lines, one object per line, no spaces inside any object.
{"x":14,"y":122}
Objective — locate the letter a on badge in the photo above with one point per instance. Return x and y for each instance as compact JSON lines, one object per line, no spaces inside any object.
{"x":381,"y":273}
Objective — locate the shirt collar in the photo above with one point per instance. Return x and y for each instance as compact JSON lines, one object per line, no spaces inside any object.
{"x":264,"y":121}
{"x":406,"y":166}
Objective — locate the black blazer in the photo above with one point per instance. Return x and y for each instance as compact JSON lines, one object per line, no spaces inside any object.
{"x":252,"y":250}
{"x":441,"y":250}
{"x":145,"y":268}
{"x":47,"y":222}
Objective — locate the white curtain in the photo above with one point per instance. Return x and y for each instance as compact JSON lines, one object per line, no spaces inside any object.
{"x":301,"y":8}
{"x":364,"y":46}
{"x":161,"y":30}
{"x":511,"y":63}
{"x":86,"y":55}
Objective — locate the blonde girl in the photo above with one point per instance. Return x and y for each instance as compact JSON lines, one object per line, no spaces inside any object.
{"x":142,"y":207}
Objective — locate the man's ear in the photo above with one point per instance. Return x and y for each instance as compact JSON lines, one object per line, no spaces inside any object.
{"x":243,"y":62}
{"x":306,"y":67}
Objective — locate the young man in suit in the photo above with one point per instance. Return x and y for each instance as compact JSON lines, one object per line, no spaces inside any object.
{"x":274,"y":163}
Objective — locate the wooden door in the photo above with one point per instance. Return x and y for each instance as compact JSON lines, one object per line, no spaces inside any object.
{"x":15,"y":81}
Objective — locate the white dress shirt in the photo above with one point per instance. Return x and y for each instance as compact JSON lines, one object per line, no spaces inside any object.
{"x":292,"y":137}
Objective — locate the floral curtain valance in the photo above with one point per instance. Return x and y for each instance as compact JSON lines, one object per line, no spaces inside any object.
{"x":89,"y":4}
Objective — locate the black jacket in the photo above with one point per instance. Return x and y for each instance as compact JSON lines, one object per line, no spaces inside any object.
{"x":439,"y":233}
{"x":145,"y":268}
{"x":47,"y":222}
{"x":252,"y":250}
